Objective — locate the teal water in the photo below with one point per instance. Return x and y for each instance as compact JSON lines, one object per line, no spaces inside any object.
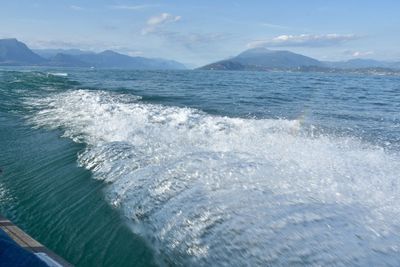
{"x":43,"y":190}
{"x":140,"y":168}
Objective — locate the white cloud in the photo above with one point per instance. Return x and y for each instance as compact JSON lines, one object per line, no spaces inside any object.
{"x":357,"y":53}
{"x":361,"y":53}
{"x":154,"y":23}
{"x":304,"y":40}
{"x":132,"y":7}
{"x":162,"y":19}
{"x":74,"y":7}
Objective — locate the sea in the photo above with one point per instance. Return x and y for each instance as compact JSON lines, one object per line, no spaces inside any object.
{"x":203,"y":168}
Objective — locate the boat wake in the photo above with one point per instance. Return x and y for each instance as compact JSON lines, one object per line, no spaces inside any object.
{"x":215,"y":190}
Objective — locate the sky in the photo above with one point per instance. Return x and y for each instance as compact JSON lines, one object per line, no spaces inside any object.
{"x":200,"y":32}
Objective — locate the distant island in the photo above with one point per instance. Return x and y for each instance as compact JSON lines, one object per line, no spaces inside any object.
{"x":263,"y":59}
{"x":16,"y":53}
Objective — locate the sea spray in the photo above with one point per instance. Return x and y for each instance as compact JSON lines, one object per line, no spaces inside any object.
{"x":217,"y":190}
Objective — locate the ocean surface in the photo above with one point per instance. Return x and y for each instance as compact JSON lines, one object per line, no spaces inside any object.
{"x":202,"y":168}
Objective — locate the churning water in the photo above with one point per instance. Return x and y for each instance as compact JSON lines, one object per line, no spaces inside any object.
{"x":222,"y":168}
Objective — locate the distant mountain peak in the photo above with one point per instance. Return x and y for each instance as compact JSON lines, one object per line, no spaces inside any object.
{"x":11,"y":41}
{"x":16,"y":53}
{"x":51,"y":52}
{"x":109,"y":53}
{"x":261,"y":58}
{"x":362,"y":63}
{"x":14,"y":40}
{"x":255,"y":51}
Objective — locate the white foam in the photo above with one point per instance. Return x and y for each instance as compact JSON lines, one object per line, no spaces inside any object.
{"x":228,"y":191}
{"x":59,"y":74}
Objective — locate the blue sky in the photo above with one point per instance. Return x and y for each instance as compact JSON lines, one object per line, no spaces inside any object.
{"x":198,"y":32}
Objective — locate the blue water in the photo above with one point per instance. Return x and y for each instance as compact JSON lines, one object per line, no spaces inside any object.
{"x":203,"y":168}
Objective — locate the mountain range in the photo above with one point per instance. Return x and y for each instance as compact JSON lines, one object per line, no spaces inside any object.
{"x":16,"y":53}
{"x":259,"y":59}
